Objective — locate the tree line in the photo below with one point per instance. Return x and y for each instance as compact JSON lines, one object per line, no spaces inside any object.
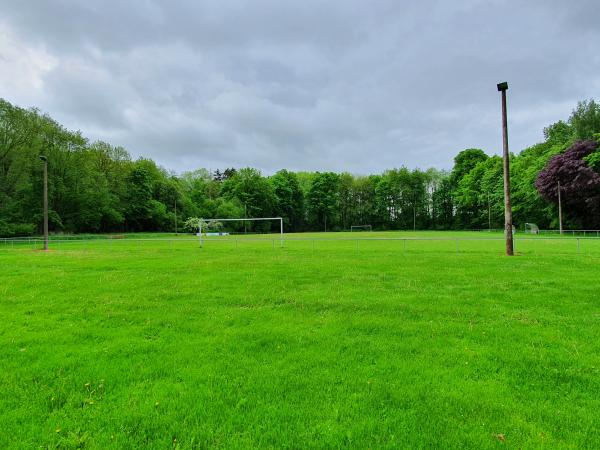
{"x":97,"y":187}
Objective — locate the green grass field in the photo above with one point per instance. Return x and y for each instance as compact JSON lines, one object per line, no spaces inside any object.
{"x":319,"y":344}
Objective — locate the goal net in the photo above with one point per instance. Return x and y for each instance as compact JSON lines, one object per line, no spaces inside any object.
{"x":532,"y":228}
{"x":361,"y":228}
{"x":206,"y":226}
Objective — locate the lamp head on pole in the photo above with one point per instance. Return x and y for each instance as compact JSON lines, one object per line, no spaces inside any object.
{"x":503,"y":86}
{"x":43,"y":158}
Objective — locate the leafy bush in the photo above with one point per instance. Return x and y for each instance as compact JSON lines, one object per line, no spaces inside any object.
{"x":16,"y":229}
{"x":579,"y":183}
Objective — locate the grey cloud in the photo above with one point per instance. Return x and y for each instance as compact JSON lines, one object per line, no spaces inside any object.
{"x":339,"y":85}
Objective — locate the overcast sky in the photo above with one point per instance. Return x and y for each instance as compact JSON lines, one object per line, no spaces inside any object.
{"x":342,"y":85}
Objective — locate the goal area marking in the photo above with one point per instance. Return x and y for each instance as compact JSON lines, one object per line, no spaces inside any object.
{"x":207,"y":221}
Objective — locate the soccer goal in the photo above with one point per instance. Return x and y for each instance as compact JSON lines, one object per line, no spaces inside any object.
{"x":210,"y":223}
{"x":532,"y":228}
{"x":361,"y":228}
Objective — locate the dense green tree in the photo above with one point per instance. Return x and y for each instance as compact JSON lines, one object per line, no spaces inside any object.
{"x":402,"y":199}
{"x":442,"y":205}
{"x":593,"y":159}
{"x":254,"y":192}
{"x":560,"y":133}
{"x":346,"y":199}
{"x":434,"y":207}
{"x":585,"y":120}
{"x":322,"y":201}
{"x":17,"y":164}
{"x":464,"y":162}
{"x":479,"y":193}
{"x":95,"y":187}
{"x":364,"y":206}
{"x":528,"y":205}
{"x":466,"y":200}
{"x":141,"y":208}
{"x":289,"y":199}
{"x":419,"y":199}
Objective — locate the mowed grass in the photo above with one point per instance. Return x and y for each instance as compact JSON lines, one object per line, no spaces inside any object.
{"x":319,"y":344}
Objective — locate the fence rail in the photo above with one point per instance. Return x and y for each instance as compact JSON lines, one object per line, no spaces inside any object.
{"x":8,"y":243}
{"x":254,"y":239}
{"x":565,"y":232}
{"x":130,"y":237}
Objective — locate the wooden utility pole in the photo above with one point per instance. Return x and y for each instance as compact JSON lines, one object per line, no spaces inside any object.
{"x":45,"y":160}
{"x":560,"y":227}
{"x":508,"y":226}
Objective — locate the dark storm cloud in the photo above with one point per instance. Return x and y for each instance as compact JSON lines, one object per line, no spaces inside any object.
{"x":339,"y":85}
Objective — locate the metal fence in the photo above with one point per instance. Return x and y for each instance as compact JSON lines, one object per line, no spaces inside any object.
{"x":583,"y":233}
{"x":571,"y":244}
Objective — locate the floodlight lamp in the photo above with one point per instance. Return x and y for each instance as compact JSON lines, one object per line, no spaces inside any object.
{"x":43,"y":158}
{"x":503,"y":86}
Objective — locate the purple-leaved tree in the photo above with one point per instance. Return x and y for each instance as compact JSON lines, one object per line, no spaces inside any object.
{"x":580,"y":184}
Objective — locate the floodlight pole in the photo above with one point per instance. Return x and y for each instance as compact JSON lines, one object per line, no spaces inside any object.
{"x":489,"y":213}
{"x":200,"y":232}
{"x":502,"y":87}
{"x":560,"y":225}
{"x":176,"y":217}
{"x":45,"y":160}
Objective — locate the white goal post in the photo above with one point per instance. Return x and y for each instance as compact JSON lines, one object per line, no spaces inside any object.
{"x":532,"y":228}
{"x":361,"y":227}
{"x":201,"y":221}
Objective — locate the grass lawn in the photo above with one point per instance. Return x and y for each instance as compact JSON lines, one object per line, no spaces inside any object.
{"x":320,"y":344}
